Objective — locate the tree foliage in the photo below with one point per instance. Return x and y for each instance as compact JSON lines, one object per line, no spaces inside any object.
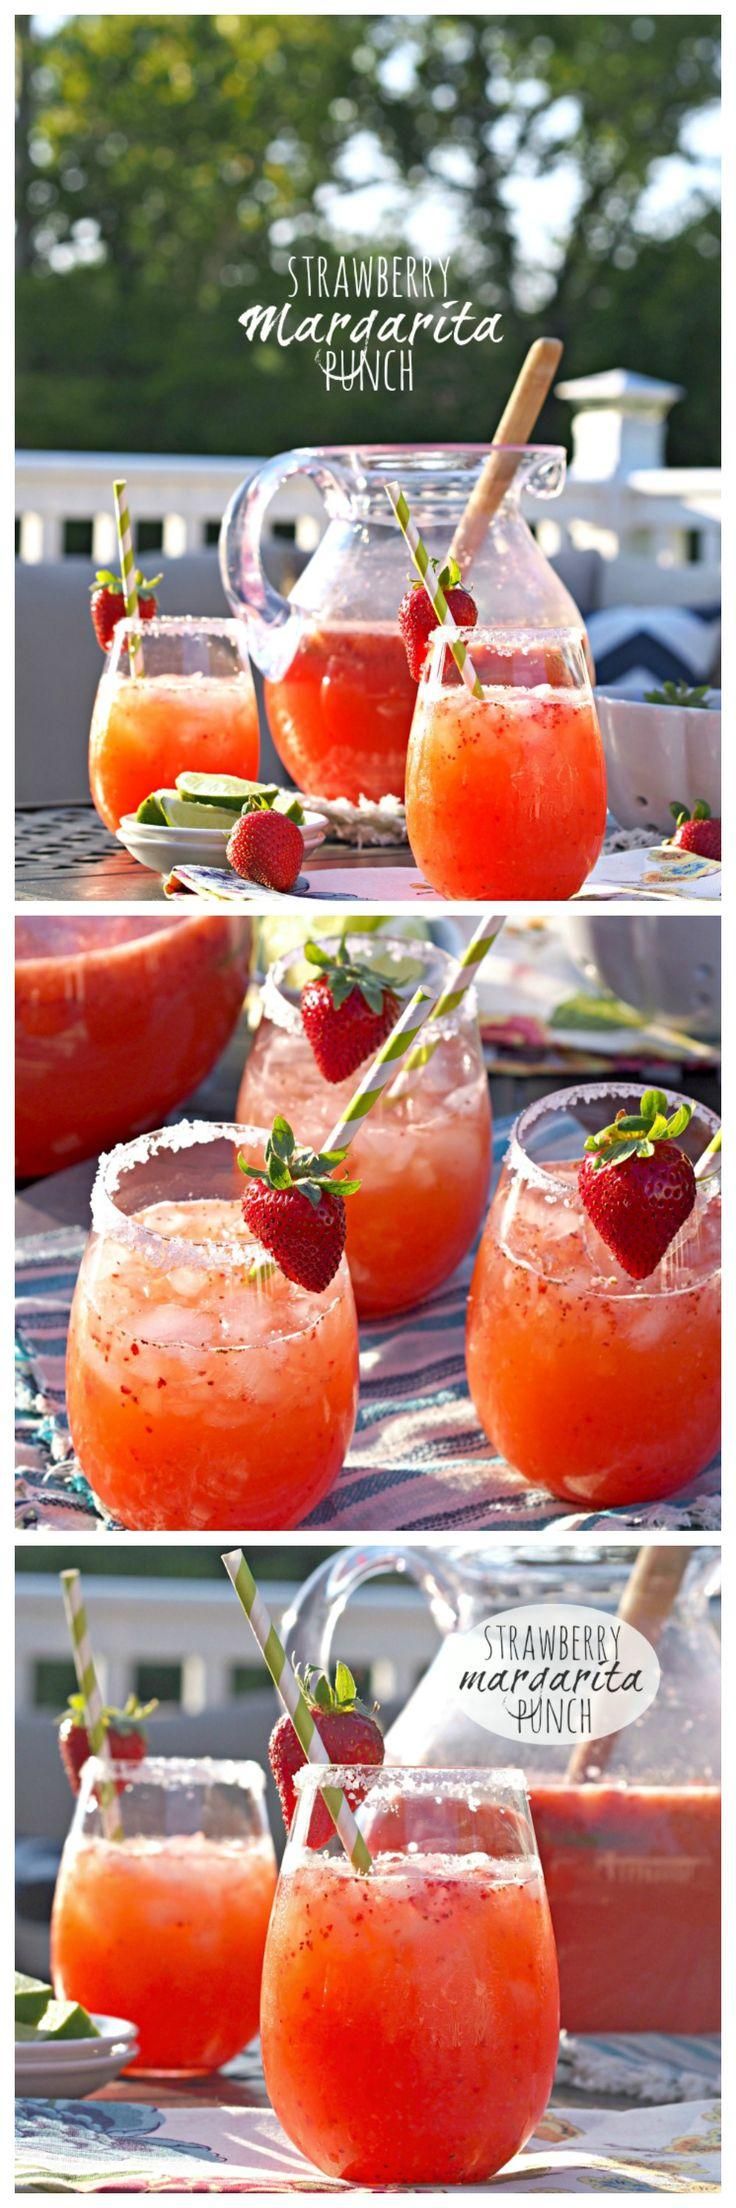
{"x":166,"y":165}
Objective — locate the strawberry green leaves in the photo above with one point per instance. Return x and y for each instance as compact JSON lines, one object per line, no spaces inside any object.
{"x":343,"y":974}
{"x":288,"y":1166}
{"x":634,"y":1134}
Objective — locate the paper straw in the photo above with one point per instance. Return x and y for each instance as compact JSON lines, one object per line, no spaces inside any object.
{"x":704,"y":1162}
{"x":460,"y":980}
{"x":76,"y":1618}
{"x":374,"y":1081}
{"x":433,"y":588}
{"x":127,"y":570}
{"x":295,"y":1704}
{"x":402,"y":1035}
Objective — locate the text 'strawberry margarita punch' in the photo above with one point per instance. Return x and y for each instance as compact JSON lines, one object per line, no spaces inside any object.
{"x":203,"y":1389}
{"x":423,"y":1154}
{"x":193,"y":708}
{"x":166,"y":1924}
{"x":506,"y":790}
{"x":410,"y":2016}
{"x":594,"y":1364}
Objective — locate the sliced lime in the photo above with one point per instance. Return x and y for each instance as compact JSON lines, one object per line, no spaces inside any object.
{"x":184,"y":812}
{"x":60,"y":2020}
{"x":218,"y":789}
{"x":151,"y":812}
{"x":32,"y":1996}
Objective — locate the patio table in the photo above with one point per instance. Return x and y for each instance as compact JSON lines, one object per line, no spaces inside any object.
{"x":647,"y":2118}
{"x":64,"y":852}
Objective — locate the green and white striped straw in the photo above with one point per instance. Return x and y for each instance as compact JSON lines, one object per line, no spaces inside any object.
{"x":127,"y":570}
{"x":705,"y":1161}
{"x":76,"y":1618}
{"x":433,"y":588}
{"x":402,"y":1035}
{"x":459,"y":981}
{"x":295,"y":1704}
{"x":395,"y":1048}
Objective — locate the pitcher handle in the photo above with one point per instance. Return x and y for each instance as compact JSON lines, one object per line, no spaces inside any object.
{"x":321,"y":1601}
{"x":274,"y":627}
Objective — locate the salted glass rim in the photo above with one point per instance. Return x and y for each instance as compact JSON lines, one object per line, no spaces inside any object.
{"x":423,"y":1778}
{"x":278,"y":1007}
{"x":185,"y":623}
{"x":179,"y":1771}
{"x":164,"y":1249}
{"x":518,"y":1157}
{"x":517,"y":637}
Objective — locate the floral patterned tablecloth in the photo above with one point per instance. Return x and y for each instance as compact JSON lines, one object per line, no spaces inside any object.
{"x":96,"y":2146}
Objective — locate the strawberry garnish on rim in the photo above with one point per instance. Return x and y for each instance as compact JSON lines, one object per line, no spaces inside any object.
{"x":698,"y":831}
{"x":296,"y":1209}
{"x":637,"y":1185}
{"x":346,"y":1013}
{"x":107,"y":603}
{"x":125,"y":1733}
{"x":348,"y":1730}
{"x":417,"y":618}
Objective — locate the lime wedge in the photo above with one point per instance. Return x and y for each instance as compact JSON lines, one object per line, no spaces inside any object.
{"x":184,"y":812}
{"x":31,"y":1998}
{"x":60,"y":2020}
{"x":218,"y":789}
{"x":151,"y":811}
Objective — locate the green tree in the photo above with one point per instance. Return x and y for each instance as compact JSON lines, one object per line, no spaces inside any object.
{"x":166,"y":166}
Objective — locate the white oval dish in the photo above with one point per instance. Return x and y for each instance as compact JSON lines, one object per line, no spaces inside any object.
{"x":160,"y":849}
{"x":71,"y":2068}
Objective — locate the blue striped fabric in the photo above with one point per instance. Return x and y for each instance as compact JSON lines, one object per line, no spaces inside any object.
{"x":418,"y":1463}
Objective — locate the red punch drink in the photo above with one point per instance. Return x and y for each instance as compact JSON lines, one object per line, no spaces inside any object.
{"x":166,"y":1926}
{"x":430,"y":1985}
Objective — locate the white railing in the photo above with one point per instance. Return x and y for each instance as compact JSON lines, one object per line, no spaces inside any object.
{"x":196,"y":1624}
{"x":185,"y":497}
{"x":669,"y":515}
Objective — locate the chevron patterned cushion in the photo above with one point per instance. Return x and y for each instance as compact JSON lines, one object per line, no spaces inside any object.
{"x":637,"y":648}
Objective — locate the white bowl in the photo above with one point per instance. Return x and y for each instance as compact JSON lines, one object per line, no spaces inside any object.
{"x":667,"y":968}
{"x":160,"y":849}
{"x":657,"y":755}
{"x":68,"y":2069}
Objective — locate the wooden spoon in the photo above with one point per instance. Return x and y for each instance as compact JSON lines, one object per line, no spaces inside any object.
{"x":515,"y":427}
{"x":646,"y":1602}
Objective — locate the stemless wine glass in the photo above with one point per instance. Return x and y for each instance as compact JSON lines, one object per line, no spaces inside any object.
{"x":165,"y":1924}
{"x":603,"y":1389}
{"x":410,"y":2017}
{"x":192,"y":706}
{"x":204,"y":1389}
{"x":506,"y":789}
{"x":423,"y":1154}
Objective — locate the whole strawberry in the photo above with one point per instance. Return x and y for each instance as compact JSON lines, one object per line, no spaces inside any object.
{"x":699,"y":833}
{"x":125,"y":1732}
{"x":266,"y":847}
{"x":637,"y":1186}
{"x":417,"y":617}
{"x":350,"y":1734}
{"x":347,"y":1013}
{"x":296,"y":1210}
{"x":107,"y":603}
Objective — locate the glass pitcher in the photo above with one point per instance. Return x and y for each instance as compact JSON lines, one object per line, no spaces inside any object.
{"x":339,"y":695}
{"x":631,"y":1857}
